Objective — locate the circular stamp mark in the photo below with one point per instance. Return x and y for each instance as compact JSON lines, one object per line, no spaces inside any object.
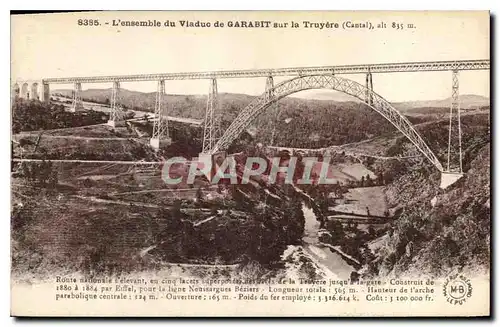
{"x":457,"y":289}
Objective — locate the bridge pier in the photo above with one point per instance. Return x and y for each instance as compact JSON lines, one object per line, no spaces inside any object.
{"x":31,"y":90}
{"x":211,"y":128}
{"x":77,"y":100}
{"x":24,"y":92}
{"x":115,"y":114}
{"x":45,"y":94}
{"x":160,"y":124}
{"x":454,"y":170}
{"x":274,"y":107}
{"x":369,"y":88}
{"x":269,"y":87}
{"x":16,"y":91}
{"x":455,"y":128}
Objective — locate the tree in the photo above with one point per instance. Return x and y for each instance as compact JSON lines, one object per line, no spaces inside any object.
{"x":380,"y":178}
{"x":369,"y":181}
{"x":213,"y":210}
{"x":367,"y":255}
{"x":34,"y":115}
{"x":176,"y":208}
{"x":199,"y":195}
{"x":40,"y":174}
{"x":87,"y":182}
{"x":336,"y":230}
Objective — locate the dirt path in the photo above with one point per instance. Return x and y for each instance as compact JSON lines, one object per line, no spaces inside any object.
{"x":92,"y":161}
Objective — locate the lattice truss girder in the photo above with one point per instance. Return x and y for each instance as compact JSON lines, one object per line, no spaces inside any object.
{"x":160,"y":125}
{"x":329,"y":81}
{"x":482,"y":64}
{"x":116,"y":110}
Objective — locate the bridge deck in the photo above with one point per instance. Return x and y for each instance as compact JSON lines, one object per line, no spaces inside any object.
{"x":483,"y":64}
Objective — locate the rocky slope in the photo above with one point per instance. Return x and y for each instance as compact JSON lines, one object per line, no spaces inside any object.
{"x":437,"y":231}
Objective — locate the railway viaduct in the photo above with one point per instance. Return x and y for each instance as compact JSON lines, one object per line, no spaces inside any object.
{"x":300,"y":78}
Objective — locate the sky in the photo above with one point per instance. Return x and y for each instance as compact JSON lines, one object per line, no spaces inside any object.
{"x":55,"y":45}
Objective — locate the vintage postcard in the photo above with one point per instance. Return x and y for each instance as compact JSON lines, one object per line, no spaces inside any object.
{"x":286,"y":163}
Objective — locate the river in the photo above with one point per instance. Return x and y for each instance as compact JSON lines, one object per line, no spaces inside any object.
{"x":328,"y":260}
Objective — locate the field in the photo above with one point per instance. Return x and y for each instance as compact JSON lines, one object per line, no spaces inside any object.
{"x":364,"y":201}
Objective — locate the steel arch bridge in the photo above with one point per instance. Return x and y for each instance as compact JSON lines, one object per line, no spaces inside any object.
{"x":301,"y":83}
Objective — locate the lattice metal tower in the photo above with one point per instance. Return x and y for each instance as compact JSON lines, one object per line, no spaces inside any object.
{"x":116,"y":112}
{"x":160,"y":126}
{"x":211,"y":130}
{"x":274,"y":109}
{"x":77,"y":97}
{"x":454,"y":161}
{"x":369,"y":88}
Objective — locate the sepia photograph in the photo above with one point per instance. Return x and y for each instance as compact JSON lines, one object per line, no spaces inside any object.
{"x":250,"y":163}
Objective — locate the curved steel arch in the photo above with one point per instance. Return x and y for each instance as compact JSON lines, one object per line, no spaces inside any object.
{"x":301,"y":83}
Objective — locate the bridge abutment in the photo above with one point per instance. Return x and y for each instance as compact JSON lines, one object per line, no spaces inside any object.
{"x":448,"y":179}
{"x":31,"y":90}
{"x":116,"y":123}
{"x":157,"y":143}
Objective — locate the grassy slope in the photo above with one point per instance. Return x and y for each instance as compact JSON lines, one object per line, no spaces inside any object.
{"x":65,"y":229}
